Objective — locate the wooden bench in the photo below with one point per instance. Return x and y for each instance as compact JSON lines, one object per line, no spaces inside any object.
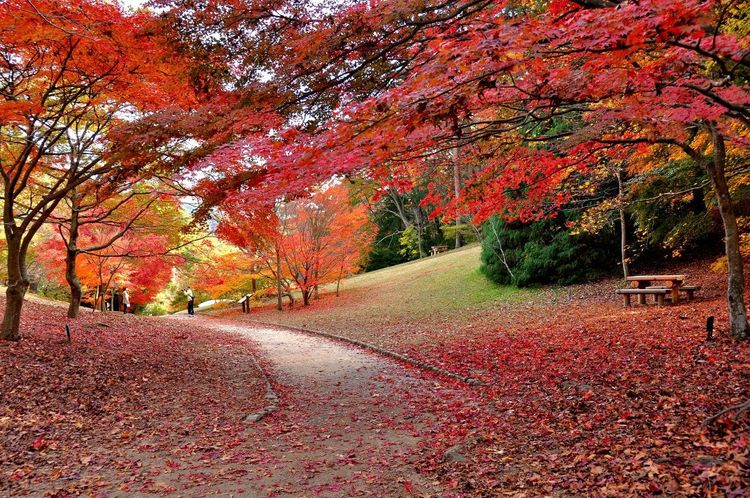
{"x":434,"y":250}
{"x":657,"y":292}
{"x":689,"y":290}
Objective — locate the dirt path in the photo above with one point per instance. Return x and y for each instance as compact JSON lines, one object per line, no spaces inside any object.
{"x":347,"y":423}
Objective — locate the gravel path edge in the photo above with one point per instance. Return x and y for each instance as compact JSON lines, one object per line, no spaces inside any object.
{"x":377,"y":349}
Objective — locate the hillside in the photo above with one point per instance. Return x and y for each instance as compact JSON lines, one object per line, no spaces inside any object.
{"x":446,"y":296}
{"x":440,"y":293}
{"x":582,"y":398}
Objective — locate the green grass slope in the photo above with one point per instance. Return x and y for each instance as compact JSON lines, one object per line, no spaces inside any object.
{"x":440,"y":293}
{"x":450,"y":280}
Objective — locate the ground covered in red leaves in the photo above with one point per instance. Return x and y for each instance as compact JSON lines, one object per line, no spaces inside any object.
{"x":584,"y":397}
{"x":610,"y":406}
{"x":132,"y":405}
{"x":580,"y":397}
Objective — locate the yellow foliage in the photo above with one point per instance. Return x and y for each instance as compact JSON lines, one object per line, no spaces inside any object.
{"x":743,"y":223}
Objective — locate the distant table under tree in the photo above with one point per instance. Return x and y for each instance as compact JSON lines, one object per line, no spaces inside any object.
{"x":435,"y":250}
{"x":643,"y":281}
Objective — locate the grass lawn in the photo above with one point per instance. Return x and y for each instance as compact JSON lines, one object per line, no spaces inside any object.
{"x":440,"y":283}
{"x":441,"y":293}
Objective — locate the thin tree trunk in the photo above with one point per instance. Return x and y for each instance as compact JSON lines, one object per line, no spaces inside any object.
{"x":419,"y":239}
{"x":18,"y":284}
{"x":738,"y":325}
{"x":623,"y":225}
{"x":316,"y":272}
{"x":477,"y":232}
{"x":338,"y":280}
{"x":279,"y":305}
{"x":71,"y":253}
{"x":500,"y":247}
{"x":399,"y":208}
{"x":457,"y":193}
{"x":100,"y":285}
{"x":75,"y":284}
{"x":418,"y":225}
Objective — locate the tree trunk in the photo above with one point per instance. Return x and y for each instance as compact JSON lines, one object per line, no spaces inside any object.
{"x":75,"y":284}
{"x":100,"y":286}
{"x":278,"y":279}
{"x":419,"y":227}
{"x":71,"y":253}
{"x":623,"y":225}
{"x":457,"y":193}
{"x":624,"y":244}
{"x":738,"y":326}
{"x":338,"y":280}
{"x":316,"y":272}
{"x":18,"y":284}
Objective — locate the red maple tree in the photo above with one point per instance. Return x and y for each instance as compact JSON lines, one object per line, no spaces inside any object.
{"x":71,"y":72}
{"x":503,"y":77}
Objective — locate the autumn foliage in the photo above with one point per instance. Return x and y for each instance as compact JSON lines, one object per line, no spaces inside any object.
{"x":323,"y":239}
{"x":305,"y":242}
{"x":520,"y":99}
{"x":252,"y":121}
{"x":75,"y":75}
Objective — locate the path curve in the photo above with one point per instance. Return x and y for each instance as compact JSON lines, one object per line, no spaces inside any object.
{"x":349,"y":420}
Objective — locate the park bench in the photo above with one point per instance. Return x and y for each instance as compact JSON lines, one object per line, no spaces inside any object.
{"x":689,"y":290}
{"x":434,"y":250}
{"x":643,"y":286}
{"x":658,"y":293}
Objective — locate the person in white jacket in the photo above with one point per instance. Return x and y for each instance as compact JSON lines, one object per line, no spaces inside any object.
{"x":125,"y":300}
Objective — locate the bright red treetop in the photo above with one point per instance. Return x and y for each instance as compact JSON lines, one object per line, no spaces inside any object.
{"x":503,"y":76}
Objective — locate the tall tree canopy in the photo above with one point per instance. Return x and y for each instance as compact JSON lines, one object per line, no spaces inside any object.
{"x":507,"y":105}
{"x":73,"y":76}
{"x":540,"y":92}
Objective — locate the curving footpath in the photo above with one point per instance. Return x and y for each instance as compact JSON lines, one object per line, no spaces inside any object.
{"x":349,"y":422}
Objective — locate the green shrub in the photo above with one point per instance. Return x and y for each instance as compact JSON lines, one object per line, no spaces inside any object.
{"x":383,"y":257}
{"x":467,"y":234}
{"x":545,"y":252}
{"x":155,"y":309}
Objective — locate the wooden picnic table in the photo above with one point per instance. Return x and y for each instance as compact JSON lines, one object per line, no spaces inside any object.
{"x":435,"y":250}
{"x":644,"y":281}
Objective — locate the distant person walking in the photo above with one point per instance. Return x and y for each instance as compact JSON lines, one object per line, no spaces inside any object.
{"x":190,"y":301}
{"x":125,"y":300}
